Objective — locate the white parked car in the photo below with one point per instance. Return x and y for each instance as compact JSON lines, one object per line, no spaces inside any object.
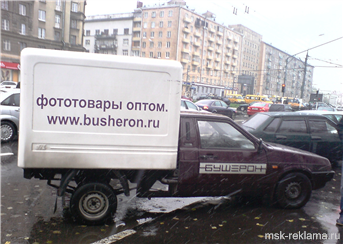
{"x":9,"y":114}
{"x":188,"y":105}
{"x":8,"y":84}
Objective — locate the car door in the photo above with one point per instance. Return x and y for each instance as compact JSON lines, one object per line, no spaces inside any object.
{"x":325,"y":139}
{"x":293,"y":132}
{"x":11,"y":105}
{"x":217,"y":106}
{"x":228,"y":161}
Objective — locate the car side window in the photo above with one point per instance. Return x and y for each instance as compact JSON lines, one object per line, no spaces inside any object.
{"x":292,"y":126}
{"x":272,"y":127}
{"x":13,"y":100}
{"x":222,"y":135}
{"x":223,"y":104}
{"x":191,"y":106}
{"x":217,"y":104}
{"x":183,"y":104}
{"x":321,"y":126}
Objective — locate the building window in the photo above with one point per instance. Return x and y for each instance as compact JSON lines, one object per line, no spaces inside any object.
{"x":152,"y":24}
{"x":74,"y":7}
{"x":162,"y":14}
{"x":145,"y":15}
{"x":106,"y":32}
{"x":22,"y":9}
{"x":152,"y":34}
{"x":41,"y":15}
{"x":6,"y":45}
{"x":58,"y":5}
{"x":167,"y":54}
{"x":23,"y":29}
{"x":125,"y":53}
{"x":4,"y":4}
{"x":73,"y":40}
{"x":136,"y":53}
{"x":153,"y":14}
{"x":170,"y":13}
{"x":22,"y":45}
{"x":144,"y":44}
{"x":160,"y":34}
{"x":88,"y":42}
{"x":57,"y":21}
{"x":73,"y":24}
{"x":143,"y":54}
{"x":168,"y":34}
{"x":125,"y":41}
{"x":161,"y":24}
{"x":151,"y":44}
{"x":88,"y":32}
{"x":57,"y":36}
{"x":151,"y":54}
{"x":126,"y":31}
{"x":159,"y":44}
{"x":144,"y":34}
{"x":115,"y":31}
{"x":5,"y":24}
{"x":158,"y":54}
{"x":169,"y":24}
{"x":41,"y":33}
{"x":97,"y":32}
{"x":145,"y":25}
{"x":168,"y":44}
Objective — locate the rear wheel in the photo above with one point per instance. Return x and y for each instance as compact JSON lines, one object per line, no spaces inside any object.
{"x":293,"y":190}
{"x":93,"y":203}
{"x":8,"y":131}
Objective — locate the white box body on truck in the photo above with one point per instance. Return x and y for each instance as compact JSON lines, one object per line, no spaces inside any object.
{"x":84,"y":110}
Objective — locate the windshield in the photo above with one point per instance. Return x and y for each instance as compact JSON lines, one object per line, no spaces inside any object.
{"x":255,"y":121}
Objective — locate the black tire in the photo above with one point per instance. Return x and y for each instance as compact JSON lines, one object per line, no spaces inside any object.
{"x":233,"y":115}
{"x":8,"y":131}
{"x":93,"y":203}
{"x":293,"y":191}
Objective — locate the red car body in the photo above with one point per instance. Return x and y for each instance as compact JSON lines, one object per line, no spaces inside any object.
{"x":257,"y":108}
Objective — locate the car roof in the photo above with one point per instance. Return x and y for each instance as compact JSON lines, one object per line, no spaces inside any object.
{"x":320,"y":112}
{"x":288,"y":114}
{"x":192,"y":113}
{"x":5,"y":93}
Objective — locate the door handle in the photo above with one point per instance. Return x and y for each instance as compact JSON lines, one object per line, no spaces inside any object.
{"x":281,"y":137}
{"x":208,"y":156}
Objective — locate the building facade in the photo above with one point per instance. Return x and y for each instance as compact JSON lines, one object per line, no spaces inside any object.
{"x":40,"y":24}
{"x":109,"y":34}
{"x":281,"y":68}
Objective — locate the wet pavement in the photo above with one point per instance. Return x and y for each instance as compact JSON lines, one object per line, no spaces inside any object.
{"x":27,"y":216}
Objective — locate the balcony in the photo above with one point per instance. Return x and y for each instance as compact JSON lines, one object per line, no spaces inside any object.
{"x":136,"y":29}
{"x":235,"y":48}
{"x":197,"y":34}
{"x":233,"y":72}
{"x":137,"y":19}
{"x":227,"y":62}
{"x":135,"y":48}
{"x":136,"y":38}
{"x":219,"y":41}
{"x":219,"y":34}
{"x":211,"y":39}
{"x":186,"y":30}
{"x":217,"y":60}
{"x":228,"y":54}
{"x":187,"y":20}
{"x":226,"y":70}
{"x":210,"y":57}
{"x":185,"y":40}
{"x":197,"y":44}
{"x":184,"y":50}
{"x":235,"y":40}
{"x":218,"y":51}
{"x":234,"y":64}
{"x":185,"y":61}
{"x":217,"y":68}
{"x":234,"y":56}
{"x":229,"y":46}
{"x":212,"y":30}
{"x":195,"y":63}
{"x":210,"y":48}
{"x":196,"y":54}
{"x":209,"y":66}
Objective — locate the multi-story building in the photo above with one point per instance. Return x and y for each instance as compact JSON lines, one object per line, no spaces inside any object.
{"x":208,"y":51}
{"x":41,"y":24}
{"x":250,"y":58}
{"x":281,"y":68}
{"x":110,"y":34}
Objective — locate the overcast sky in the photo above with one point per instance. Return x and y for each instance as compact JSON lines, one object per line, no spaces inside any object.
{"x":292,"y":26}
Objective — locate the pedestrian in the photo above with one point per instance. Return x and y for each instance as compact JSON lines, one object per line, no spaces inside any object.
{"x":340,"y":132}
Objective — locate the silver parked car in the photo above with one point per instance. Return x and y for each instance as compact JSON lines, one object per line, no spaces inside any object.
{"x":10,"y":107}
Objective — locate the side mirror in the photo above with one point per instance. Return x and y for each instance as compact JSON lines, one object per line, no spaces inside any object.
{"x":260,"y":145}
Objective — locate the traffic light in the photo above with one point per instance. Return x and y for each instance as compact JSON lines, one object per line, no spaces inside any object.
{"x":283,"y":87}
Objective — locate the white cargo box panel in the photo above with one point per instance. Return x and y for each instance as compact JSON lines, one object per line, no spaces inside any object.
{"x":82,"y":110}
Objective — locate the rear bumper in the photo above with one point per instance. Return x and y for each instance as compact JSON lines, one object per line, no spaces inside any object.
{"x":319,"y":179}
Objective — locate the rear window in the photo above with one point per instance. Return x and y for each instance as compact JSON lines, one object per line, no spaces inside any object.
{"x":259,"y":104}
{"x":255,"y":121}
{"x":276,"y":107}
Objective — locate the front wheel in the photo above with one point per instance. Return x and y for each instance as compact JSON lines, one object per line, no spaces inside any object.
{"x":8,"y":131}
{"x":293,"y":191}
{"x":93,"y":203}
{"x":233,"y":115}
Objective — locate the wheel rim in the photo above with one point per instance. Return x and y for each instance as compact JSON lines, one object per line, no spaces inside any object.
{"x":6,"y":132}
{"x":293,"y":190}
{"x":94,"y":205}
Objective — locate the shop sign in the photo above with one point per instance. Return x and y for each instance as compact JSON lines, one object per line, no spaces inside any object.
{"x":8,"y":65}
